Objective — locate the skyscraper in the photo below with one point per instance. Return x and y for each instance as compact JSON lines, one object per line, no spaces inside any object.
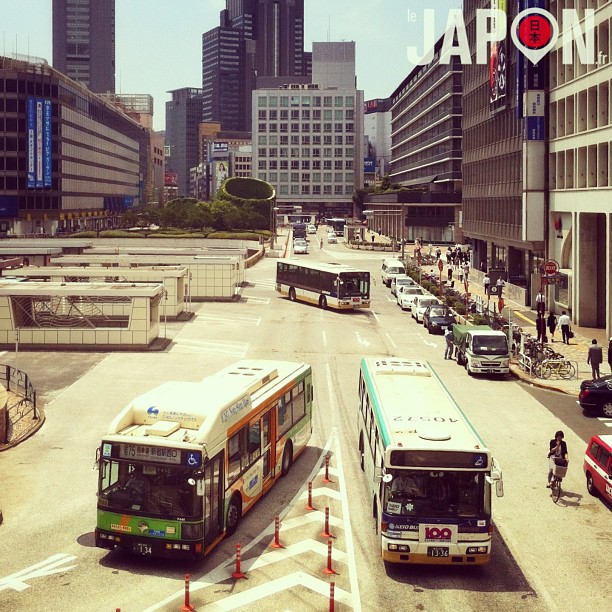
{"x":254,"y":38}
{"x":84,"y":42}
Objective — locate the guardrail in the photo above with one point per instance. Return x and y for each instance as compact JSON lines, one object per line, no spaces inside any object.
{"x":18,"y":384}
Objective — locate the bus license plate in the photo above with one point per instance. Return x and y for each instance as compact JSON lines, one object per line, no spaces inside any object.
{"x":142,"y":549}
{"x":437,"y":551}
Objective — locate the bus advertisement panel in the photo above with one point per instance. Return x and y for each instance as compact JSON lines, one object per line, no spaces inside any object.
{"x":184,"y":462}
{"x":429,"y":473}
{"x":328,"y":285}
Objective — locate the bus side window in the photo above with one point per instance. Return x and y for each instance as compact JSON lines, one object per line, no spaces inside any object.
{"x":254,"y":441}
{"x":237,"y":454}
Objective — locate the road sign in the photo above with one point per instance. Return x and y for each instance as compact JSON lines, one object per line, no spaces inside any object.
{"x":440,"y":265}
{"x":551,"y":267}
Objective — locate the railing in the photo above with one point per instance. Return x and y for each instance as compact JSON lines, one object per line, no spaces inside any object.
{"x":18,"y":384}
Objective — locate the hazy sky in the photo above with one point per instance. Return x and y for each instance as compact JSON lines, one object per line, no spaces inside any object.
{"x":159,"y":42}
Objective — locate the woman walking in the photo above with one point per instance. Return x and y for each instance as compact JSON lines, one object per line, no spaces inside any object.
{"x":551,"y":323}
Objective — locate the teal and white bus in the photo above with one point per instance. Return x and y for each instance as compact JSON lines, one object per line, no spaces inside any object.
{"x":429,"y":474}
{"x":328,"y":285}
{"x":181,"y":464}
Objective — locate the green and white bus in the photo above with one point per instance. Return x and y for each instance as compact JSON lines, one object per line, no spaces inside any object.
{"x":183,"y":463}
{"x":328,"y":285}
{"x":430,"y":475}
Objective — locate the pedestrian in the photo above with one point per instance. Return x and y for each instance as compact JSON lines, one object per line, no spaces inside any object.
{"x":557,"y":450}
{"x":500,"y":284}
{"x":541,"y":328}
{"x":540,"y":303}
{"x":449,"y":337}
{"x":610,"y":354}
{"x":438,"y":253}
{"x":450,"y":273}
{"x":551,"y":322}
{"x":466,"y":270}
{"x":486,"y":282}
{"x":595,"y":358}
{"x":372,"y":237}
{"x":564,"y":323}
{"x":483,"y":266}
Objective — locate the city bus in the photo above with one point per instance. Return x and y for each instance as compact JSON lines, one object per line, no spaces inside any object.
{"x":337,"y":223}
{"x":183,"y":463}
{"x":299,"y":230}
{"x":328,"y":285}
{"x":430,"y":476}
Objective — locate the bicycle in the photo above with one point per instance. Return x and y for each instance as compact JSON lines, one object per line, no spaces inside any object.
{"x":558,"y":473}
{"x":562,"y":368}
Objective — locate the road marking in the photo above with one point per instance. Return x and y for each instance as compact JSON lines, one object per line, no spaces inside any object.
{"x":272,"y":588}
{"x":17,"y":581}
{"x":324,"y":334}
{"x":180,"y":345}
{"x":234,"y":320}
{"x":605,"y":420}
{"x":256,"y":300}
{"x":391,"y":340}
{"x":361,"y":340}
{"x":427,"y":342}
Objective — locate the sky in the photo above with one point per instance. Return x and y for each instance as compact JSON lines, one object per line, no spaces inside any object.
{"x":159,"y":42}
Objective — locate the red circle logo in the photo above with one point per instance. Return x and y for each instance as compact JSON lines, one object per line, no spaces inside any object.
{"x":535,"y":31}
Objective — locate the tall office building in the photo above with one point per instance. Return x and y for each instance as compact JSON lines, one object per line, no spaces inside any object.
{"x":255,"y":38}
{"x":183,"y":116}
{"x":84,"y":42}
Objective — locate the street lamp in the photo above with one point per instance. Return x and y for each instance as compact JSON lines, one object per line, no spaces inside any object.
{"x":273,"y":211}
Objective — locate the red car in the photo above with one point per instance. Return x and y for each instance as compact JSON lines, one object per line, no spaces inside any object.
{"x":598,"y":467}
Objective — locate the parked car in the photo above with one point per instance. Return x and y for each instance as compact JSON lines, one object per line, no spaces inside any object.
{"x":332,"y":238}
{"x":390,"y":269}
{"x":311,"y":229}
{"x":437,"y":318}
{"x":420,"y":306}
{"x":596,"y":395}
{"x":401,"y":280}
{"x":598,"y":467}
{"x":300,"y":246}
{"x":407,"y":294}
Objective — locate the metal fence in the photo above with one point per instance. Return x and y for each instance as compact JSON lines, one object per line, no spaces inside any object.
{"x":21,"y":404}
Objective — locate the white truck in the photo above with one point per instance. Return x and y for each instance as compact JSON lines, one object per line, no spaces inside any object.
{"x":481,"y":349}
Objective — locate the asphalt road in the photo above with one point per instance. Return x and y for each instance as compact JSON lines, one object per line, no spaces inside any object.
{"x":48,"y":486}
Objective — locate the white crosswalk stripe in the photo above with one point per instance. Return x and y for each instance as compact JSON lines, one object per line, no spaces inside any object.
{"x":238,"y":349}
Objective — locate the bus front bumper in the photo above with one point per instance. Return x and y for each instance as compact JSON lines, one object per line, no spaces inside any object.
{"x":411,"y":551}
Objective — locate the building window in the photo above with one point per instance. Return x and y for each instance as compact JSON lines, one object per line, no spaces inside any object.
{"x":316,"y":101}
{"x":338,"y":189}
{"x":305,"y":164}
{"x":327,"y":177}
{"x":327,"y":140}
{"x":262,"y":101}
{"x":263,"y":115}
{"x":339,"y":128}
{"x":316,"y":115}
{"x":348,"y":164}
{"x":273,"y":127}
{"x":262,"y":151}
{"x":284,"y":189}
{"x":338,"y":177}
{"x":327,"y":189}
{"x":284,"y":177}
{"x":262,"y":164}
{"x":284,"y":101}
{"x":273,"y":164}
{"x":306,"y":115}
{"x":305,"y":139}
{"x":305,"y":189}
{"x":262,"y":127}
{"x":284,"y":128}
{"x":350,"y":127}
{"x":316,"y":189}
{"x":295,"y":177}
{"x":338,"y":151}
{"x":295,"y":164}
{"x":305,"y":152}
{"x":284,"y":164}
{"x":272,"y":152}
{"x":327,"y":152}
{"x":316,"y":139}
{"x":338,"y":101}
{"x":295,"y":115}
{"x":273,"y":114}
{"x":338,"y":164}
{"x":295,"y":189}
{"x":295,"y":127}
{"x":327,"y":115}
{"x":284,"y":115}
{"x":338,"y":140}
{"x":350,"y":115}
{"x":295,"y":152}
{"x":338,"y":115}
{"x":285,"y":140}
{"x":262,"y":139}
{"x":273,"y":101}
{"x":327,"y":100}
{"x":295,"y":100}
{"x":295,"y":140}
{"x":316,"y":164}
{"x":284,"y":152}
{"x":349,"y":101}
{"x":306,"y":101}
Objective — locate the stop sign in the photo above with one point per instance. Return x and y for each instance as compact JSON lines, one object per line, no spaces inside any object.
{"x":551,"y":267}
{"x":440,"y":265}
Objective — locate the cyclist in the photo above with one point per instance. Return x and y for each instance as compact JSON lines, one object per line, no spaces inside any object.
{"x":557,"y":449}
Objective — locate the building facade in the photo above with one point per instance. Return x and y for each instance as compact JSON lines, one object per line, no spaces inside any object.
{"x":377,"y":132}
{"x":254,"y":38}
{"x":84,"y":42}
{"x":308,"y":138}
{"x":68,"y":159}
{"x":579,"y":222}
{"x":183,"y":116}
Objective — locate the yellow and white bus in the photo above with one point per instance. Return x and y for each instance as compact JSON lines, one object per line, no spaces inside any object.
{"x":430,"y":475}
{"x":328,"y":285}
{"x":183,"y":463}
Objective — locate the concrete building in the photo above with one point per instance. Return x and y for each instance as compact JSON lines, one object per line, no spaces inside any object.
{"x":579,"y":221}
{"x":308,"y":137}
{"x":183,"y":116}
{"x":84,"y":42}
{"x":254,"y":38}
{"x":377,"y":132}
{"x":69,"y":158}
{"x":425,"y":156}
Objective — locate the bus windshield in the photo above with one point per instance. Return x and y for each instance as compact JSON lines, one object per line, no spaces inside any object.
{"x":151,"y":489}
{"x":434,"y":493}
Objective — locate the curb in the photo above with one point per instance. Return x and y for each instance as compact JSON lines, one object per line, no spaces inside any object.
{"x":518,"y":373}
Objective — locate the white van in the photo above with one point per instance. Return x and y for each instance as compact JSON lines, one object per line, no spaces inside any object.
{"x":390,"y":269}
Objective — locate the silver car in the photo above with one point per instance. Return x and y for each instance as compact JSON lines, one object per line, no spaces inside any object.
{"x":300,"y":247}
{"x":407,"y":294}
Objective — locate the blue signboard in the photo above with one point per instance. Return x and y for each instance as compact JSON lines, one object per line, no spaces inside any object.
{"x":9,"y":206}
{"x":369,"y":165}
{"x":31,"y":127}
{"x":535,"y":128}
{"x":47,"y":143}
{"x":128,"y":201}
{"x":39,"y":142}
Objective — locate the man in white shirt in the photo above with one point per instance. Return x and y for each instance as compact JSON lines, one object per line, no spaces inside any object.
{"x":540,"y":303}
{"x":565,"y":322}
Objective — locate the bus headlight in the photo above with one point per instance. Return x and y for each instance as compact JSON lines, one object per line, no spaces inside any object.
{"x":477,"y":550}
{"x":192,"y":531}
{"x":399,"y":548}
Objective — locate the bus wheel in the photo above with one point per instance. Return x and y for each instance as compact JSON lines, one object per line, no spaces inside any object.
{"x":323,"y":302}
{"x":234,"y":514}
{"x":292,"y":294}
{"x":287,"y":458}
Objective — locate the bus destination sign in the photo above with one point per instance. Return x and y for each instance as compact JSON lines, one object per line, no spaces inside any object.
{"x":160,"y":454}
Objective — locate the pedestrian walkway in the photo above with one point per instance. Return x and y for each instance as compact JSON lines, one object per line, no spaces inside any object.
{"x":521,"y":315}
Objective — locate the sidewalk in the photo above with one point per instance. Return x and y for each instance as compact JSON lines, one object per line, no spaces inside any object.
{"x":576,"y":351}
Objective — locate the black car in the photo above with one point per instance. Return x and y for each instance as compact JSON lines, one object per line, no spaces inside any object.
{"x":596,"y":395}
{"x":437,"y":318}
